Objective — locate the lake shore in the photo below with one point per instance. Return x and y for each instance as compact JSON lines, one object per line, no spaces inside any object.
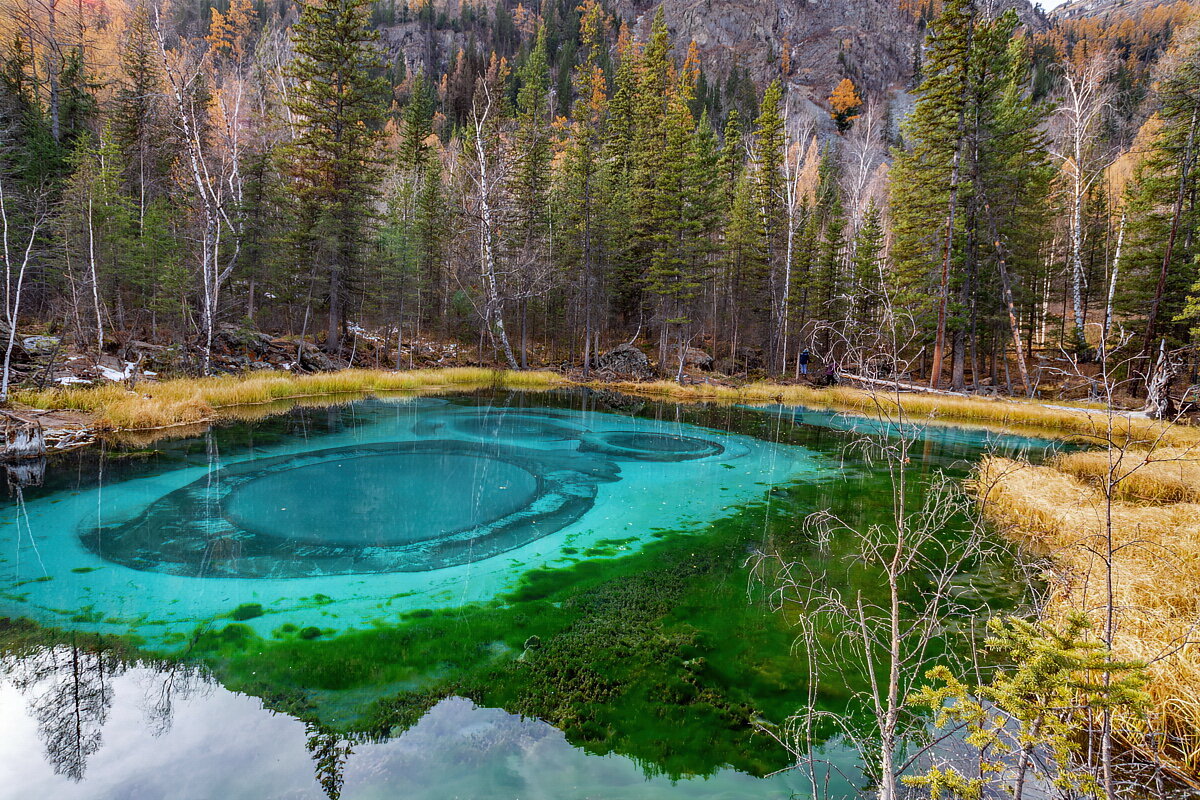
{"x":188,"y":402}
{"x":1054,"y":508}
{"x":1060,"y":510}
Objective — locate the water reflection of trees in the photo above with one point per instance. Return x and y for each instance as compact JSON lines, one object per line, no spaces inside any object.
{"x":69,"y":690}
{"x":330,"y":751}
{"x":166,"y":683}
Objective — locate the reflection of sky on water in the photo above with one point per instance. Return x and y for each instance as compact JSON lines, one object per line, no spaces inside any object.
{"x":218,"y":744}
{"x":150,"y":732}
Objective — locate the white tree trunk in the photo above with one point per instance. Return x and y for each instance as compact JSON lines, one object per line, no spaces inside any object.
{"x":1112,"y":288}
{"x":494,"y":307}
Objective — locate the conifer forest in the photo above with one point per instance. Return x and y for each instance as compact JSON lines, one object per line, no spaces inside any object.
{"x":600,"y":399}
{"x":538,"y":183}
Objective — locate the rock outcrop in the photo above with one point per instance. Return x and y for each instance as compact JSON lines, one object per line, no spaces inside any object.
{"x":625,"y":361}
{"x":873,"y":42}
{"x":824,"y":40}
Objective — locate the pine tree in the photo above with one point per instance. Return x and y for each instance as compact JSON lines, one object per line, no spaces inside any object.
{"x":418,"y":123}
{"x":747,"y":263}
{"x":926,"y":177}
{"x":768,"y":156}
{"x":1165,"y":234}
{"x":341,"y":98}
{"x":582,"y":181}
{"x":867,"y":276}
{"x":970,"y":190}
{"x":532,"y":173}
{"x":140,"y":128}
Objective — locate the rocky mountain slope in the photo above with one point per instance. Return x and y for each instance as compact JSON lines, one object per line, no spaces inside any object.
{"x":1074,"y":9}
{"x":873,"y":42}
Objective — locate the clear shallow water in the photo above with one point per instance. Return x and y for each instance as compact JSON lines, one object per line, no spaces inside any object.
{"x":414,"y":504}
{"x":354,"y":567}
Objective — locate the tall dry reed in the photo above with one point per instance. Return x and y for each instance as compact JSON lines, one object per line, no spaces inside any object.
{"x":185,"y":401}
{"x":1156,"y":583}
{"x":1083,"y":422}
{"x":1163,"y":475}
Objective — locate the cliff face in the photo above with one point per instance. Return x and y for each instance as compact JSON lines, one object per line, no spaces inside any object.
{"x":871,"y":41}
{"x":1075,"y":9}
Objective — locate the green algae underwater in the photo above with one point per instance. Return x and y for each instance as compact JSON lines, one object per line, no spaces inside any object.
{"x":634,"y":629}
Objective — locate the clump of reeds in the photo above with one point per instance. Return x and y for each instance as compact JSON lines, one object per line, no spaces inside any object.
{"x":1155,"y":582}
{"x":1163,"y":475}
{"x":185,"y":401}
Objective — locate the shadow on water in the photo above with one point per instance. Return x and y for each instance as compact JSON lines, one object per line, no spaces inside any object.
{"x":646,"y":644}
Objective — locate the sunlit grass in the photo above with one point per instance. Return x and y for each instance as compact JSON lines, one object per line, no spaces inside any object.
{"x":185,"y":401}
{"x":1164,"y":475}
{"x":1156,"y":581}
{"x":1086,"y":422}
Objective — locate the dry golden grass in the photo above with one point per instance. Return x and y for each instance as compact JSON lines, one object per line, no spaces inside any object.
{"x":186,"y":401}
{"x":1077,"y":420}
{"x":1156,"y":581}
{"x":189,"y":401}
{"x":1164,"y":475}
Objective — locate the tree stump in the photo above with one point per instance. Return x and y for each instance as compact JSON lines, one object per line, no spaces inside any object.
{"x":22,"y":438}
{"x":1159,"y":403}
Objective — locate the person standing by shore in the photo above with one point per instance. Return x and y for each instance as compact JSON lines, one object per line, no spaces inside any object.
{"x":804,"y":357}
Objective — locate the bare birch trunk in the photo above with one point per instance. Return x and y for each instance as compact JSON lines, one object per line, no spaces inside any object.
{"x":494,"y":315}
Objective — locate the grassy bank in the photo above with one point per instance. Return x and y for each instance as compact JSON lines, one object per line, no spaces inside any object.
{"x":1166,"y":475}
{"x":188,"y":401}
{"x":1059,"y":510}
{"x":1079,"y":421}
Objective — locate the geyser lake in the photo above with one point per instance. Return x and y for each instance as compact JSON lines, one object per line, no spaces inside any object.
{"x":501,"y":595}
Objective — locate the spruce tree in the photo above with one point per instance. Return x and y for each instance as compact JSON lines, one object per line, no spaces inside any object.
{"x":769,"y":143}
{"x":340,"y":96}
{"x":1165,"y":230}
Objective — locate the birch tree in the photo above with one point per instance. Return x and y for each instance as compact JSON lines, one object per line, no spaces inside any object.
{"x":20,"y":226}
{"x":215,"y":179}
{"x":488,"y":175}
{"x":1085,"y":97}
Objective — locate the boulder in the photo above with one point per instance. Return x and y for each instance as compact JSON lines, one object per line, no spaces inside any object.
{"x":41,"y":346}
{"x":697,"y":359}
{"x":625,"y":361}
{"x":313,"y":358}
{"x":234,"y":339}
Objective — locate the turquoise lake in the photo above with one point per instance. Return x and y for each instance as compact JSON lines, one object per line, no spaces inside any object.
{"x":494,"y":594}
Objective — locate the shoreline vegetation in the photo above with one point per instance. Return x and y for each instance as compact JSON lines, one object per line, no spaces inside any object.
{"x":188,"y":402}
{"x":1057,"y":509}
{"x":1060,"y":510}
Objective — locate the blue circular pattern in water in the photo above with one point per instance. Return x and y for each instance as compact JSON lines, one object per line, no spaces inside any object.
{"x":518,"y":426}
{"x":386,"y":507}
{"x":392,"y":498}
{"x":648,"y":446}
